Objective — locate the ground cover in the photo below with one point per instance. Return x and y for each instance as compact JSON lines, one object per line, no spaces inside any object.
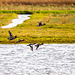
{"x":59,"y":28}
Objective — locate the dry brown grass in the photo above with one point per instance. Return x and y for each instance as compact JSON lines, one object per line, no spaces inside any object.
{"x":37,"y":2}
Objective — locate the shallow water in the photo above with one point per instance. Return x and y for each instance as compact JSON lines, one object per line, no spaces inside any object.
{"x":21,"y":18}
{"x":49,"y":59}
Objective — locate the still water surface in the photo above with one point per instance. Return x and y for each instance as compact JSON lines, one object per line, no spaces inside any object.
{"x":49,"y":59}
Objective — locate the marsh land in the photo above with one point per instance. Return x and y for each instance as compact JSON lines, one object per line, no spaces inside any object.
{"x":59,"y":28}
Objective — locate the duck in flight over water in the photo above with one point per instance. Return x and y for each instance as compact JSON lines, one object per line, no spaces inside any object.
{"x":31,"y":46}
{"x":37,"y":45}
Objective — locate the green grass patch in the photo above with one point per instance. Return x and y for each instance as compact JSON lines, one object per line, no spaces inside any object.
{"x":37,"y":11}
{"x":15,"y":11}
{"x":59,"y":28}
{"x":5,"y":18}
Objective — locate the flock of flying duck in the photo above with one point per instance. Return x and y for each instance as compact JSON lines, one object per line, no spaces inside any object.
{"x":36,"y":45}
{"x":20,"y":40}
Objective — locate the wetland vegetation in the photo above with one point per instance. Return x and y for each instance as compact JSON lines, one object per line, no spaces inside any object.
{"x":59,"y":28}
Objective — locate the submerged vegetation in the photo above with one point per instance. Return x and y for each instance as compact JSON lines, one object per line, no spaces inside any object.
{"x":59,"y":28}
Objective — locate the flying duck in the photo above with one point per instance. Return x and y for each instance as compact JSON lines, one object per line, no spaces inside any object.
{"x":11,"y":36}
{"x":19,"y":40}
{"x":40,"y":24}
{"x":37,"y":45}
{"x":31,"y":46}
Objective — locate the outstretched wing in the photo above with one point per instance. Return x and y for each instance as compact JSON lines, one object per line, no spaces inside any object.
{"x":29,"y":44}
{"x":10,"y":34}
{"x":37,"y":46}
{"x":31,"y":48}
{"x":18,"y":41}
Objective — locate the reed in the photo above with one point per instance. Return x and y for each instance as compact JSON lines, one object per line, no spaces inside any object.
{"x":35,"y":7}
{"x":37,"y":2}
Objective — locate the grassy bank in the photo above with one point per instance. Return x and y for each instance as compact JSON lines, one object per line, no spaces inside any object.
{"x":38,"y":11}
{"x":5,"y":18}
{"x":59,"y":28}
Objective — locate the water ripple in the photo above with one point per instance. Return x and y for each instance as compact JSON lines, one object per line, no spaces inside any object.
{"x":49,"y":59}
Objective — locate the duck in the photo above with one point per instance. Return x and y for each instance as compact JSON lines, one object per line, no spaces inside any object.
{"x":40,"y":24}
{"x":20,"y":40}
{"x":11,"y":36}
{"x":31,"y":45}
{"x":37,"y":45}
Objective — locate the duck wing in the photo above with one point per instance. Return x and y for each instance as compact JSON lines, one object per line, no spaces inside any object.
{"x":31,"y":48}
{"x":37,"y":46}
{"x":10,"y":34}
{"x":29,"y":44}
{"x":18,"y":41}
